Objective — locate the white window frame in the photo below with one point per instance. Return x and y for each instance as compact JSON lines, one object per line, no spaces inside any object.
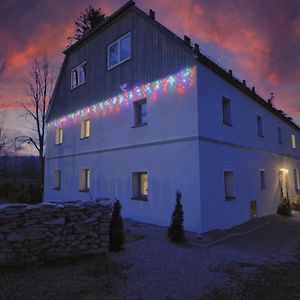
{"x":118,"y":41}
{"x":58,"y":136}
{"x":297,"y":180}
{"x":57,"y":180}
{"x":137,"y":109}
{"x":260,"y":126}
{"x":233,"y":192}
{"x":85,"y":180}
{"x":262,"y":179}
{"x":228,"y":107}
{"x":293,"y":140}
{"x":78,"y":73}
{"x":136,"y":185}
{"x":84,"y":134}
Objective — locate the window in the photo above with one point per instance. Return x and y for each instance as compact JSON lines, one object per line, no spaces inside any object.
{"x":259,"y":126}
{"x":57,"y":179}
{"x":58,"y":136}
{"x":119,"y":51}
{"x":85,"y":128}
{"x":262,"y":179}
{"x":140,"y":185}
{"x":226,"y":104}
{"x":84,"y":180}
{"x":293,"y":141}
{"x":78,"y":75}
{"x":279,"y":135}
{"x":140,"y":112}
{"x":297,"y":179}
{"x":229,"y":185}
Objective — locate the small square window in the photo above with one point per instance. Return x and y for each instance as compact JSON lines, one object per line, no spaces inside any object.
{"x":85,"y":128}
{"x":262,"y":179}
{"x":229,"y":185}
{"x":119,"y":51}
{"x":259,"y":126}
{"x":140,"y":112}
{"x":84,"y":180}
{"x":279,"y":135}
{"x":293,"y":141}
{"x":58,"y":136}
{"x":226,"y":105}
{"x":57,"y":179}
{"x":297,"y":179}
{"x":140,"y":185}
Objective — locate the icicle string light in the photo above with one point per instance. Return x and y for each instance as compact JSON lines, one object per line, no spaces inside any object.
{"x":178,"y":82}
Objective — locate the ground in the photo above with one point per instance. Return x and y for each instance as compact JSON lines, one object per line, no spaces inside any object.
{"x":257,"y":260}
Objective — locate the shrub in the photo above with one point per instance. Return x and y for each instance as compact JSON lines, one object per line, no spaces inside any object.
{"x":116,"y":235}
{"x":284,"y":208}
{"x":176,"y":231}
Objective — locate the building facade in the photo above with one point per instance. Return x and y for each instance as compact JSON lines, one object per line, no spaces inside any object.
{"x":138,"y":114}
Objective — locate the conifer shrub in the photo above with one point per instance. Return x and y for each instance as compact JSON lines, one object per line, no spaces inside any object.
{"x":285,"y":208}
{"x":176,"y":230}
{"x":116,"y":235}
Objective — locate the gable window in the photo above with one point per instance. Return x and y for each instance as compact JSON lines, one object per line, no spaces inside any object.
{"x":58,"y":136}
{"x":226,"y":105}
{"x":85,"y":128}
{"x":140,"y":185}
{"x":293,"y":141}
{"x":262,"y":179}
{"x":119,"y":51}
{"x":78,"y":75}
{"x":140,"y":112}
{"x":279,"y":135}
{"x":84,"y":180}
{"x":57,"y":179}
{"x":229,"y":185}
{"x":259,"y":126}
{"x":297,"y":180}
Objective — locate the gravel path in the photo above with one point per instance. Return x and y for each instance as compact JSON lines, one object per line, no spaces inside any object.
{"x":261,"y":264}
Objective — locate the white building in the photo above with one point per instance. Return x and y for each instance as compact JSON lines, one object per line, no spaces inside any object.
{"x":138,"y":114}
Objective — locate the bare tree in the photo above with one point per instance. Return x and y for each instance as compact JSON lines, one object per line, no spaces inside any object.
{"x":39,"y":88}
{"x":2,"y":135}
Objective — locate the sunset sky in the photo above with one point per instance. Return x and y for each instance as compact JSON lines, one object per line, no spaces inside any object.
{"x":258,"y":39}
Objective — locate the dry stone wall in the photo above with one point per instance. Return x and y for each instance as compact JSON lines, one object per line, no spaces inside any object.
{"x":47,"y":231}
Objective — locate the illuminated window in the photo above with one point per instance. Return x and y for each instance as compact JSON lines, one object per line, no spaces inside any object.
{"x":297,"y":179}
{"x":85,"y":128}
{"x":229,"y":185}
{"x":57,"y":179}
{"x":226,"y":105}
{"x":262,"y":179}
{"x":140,"y":185}
{"x":140,"y":112}
{"x":78,"y":75}
{"x":259,"y":126}
{"x":119,"y":51}
{"x":85,"y":180}
{"x":293,"y":141}
{"x":58,"y":136}
{"x":279,"y":135}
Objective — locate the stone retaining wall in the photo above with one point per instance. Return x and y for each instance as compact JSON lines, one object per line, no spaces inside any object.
{"x":43,"y":232}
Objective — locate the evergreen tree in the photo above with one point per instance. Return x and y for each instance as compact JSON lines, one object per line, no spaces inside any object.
{"x":116,"y":235}
{"x":87,"y":21}
{"x":176,"y":230}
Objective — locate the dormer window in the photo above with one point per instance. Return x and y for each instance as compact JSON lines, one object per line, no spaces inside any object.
{"x":78,"y":75}
{"x":119,"y":51}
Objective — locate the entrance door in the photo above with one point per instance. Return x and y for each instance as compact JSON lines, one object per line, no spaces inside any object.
{"x":284,"y":184}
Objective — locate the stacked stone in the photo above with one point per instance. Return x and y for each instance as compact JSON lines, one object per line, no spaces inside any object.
{"x":48,"y":231}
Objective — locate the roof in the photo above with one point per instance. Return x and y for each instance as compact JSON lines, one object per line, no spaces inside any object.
{"x":197,"y":54}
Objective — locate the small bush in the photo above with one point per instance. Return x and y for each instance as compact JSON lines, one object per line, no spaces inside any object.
{"x":176,"y":231}
{"x":285,"y":208}
{"x":116,"y":235}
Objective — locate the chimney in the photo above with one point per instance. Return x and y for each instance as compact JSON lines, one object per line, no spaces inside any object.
{"x":244,"y":82}
{"x":271,"y":100}
{"x":230,"y":72}
{"x":187,"y":40}
{"x":253,"y":89}
{"x":196,"y":49}
{"x":152,"y":14}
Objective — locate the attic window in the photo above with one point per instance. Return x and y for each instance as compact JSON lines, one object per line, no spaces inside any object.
{"x":78,"y":75}
{"x":119,"y":51}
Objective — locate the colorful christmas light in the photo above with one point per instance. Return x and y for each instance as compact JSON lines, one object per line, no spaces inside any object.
{"x":178,"y":82}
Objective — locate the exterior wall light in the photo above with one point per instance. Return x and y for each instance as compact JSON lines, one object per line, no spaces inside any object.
{"x":284,"y":171}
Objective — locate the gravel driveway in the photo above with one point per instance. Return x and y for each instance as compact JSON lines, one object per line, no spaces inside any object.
{"x":257,"y":260}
